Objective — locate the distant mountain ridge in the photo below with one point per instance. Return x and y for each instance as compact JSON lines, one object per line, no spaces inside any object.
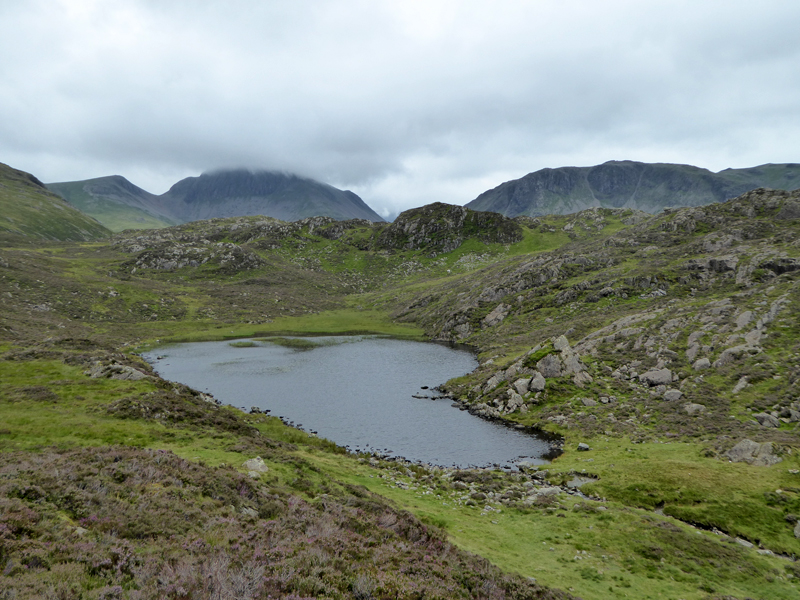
{"x":119,"y":204}
{"x":629,"y":184}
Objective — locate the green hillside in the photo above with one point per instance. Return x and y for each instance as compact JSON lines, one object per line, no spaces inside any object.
{"x":115,"y":202}
{"x":28,"y":208}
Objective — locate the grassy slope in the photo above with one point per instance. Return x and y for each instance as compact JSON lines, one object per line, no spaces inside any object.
{"x":117,"y":216}
{"x":27,"y":208}
{"x":630,"y":550}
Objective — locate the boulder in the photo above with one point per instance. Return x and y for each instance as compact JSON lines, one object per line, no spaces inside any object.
{"x":537,"y":382}
{"x":701,"y":363}
{"x":672,"y":394}
{"x":740,"y":385}
{"x":753,"y":453}
{"x":582,"y":378}
{"x":692,"y":409}
{"x":256,"y":464}
{"x":583,"y":447}
{"x":114,"y":371}
{"x":656,"y":377}
{"x":549,"y":366}
{"x":560,"y":343}
{"x":743,"y":320}
{"x":766,"y":420}
{"x":494,"y":381}
{"x":514,"y":401}
{"x":496,"y":316}
{"x":522,"y":386}
{"x":588,"y":402}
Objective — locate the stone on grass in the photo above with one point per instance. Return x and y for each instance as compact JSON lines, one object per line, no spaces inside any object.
{"x":701,"y":363}
{"x":672,"y":394}
{"x":583,"y":447}
{"x":753,"y":453}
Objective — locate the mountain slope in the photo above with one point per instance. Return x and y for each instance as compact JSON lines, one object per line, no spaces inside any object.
{"x":628,"y":184}
{"x":115,"y":202}
{"x":283,"y":196}
{"x":28,"y":208}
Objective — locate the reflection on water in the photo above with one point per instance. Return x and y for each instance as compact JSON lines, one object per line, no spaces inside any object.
{"x":358,"y":395}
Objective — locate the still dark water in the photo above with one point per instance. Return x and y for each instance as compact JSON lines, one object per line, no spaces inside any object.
{"x":356,"y":391}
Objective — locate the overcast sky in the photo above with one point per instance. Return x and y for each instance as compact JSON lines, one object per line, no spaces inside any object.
{"x":405,"y":102}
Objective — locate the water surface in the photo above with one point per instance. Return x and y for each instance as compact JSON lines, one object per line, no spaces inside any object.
{"x":357,"y":391}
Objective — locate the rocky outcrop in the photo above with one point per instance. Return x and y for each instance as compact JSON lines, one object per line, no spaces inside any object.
{"x":440,"y":228}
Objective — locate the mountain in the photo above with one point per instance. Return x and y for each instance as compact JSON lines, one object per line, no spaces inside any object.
{"x":120,"y":205}
{"x":28,"y":208}
{"x":649,"y":187}
{"x":115,"y":202}
{"x":284,"y":196}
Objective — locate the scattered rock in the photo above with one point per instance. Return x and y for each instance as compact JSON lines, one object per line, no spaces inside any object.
{"x":672,"y":394}
{"x":588,"y":402}
{"x":701,"y":363}
{"x":583,"y":447}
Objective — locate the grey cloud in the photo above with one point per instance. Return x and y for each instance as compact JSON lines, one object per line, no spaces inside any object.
{"x":406,"y":102}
